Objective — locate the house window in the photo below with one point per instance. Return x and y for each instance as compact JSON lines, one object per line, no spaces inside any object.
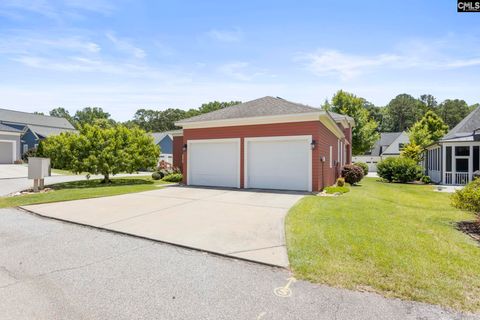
{"x":25,"y":148}
{"x":330,"y":158}
{"x":36,"y":146}
{"x":448,"y":157}
{"x":476,"y":158}
{"x":462,"y":151}
{"x":401,"y":146}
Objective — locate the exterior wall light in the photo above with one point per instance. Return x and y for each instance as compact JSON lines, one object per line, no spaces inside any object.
{"x":313,"y":144}
{"x":185,"y":147}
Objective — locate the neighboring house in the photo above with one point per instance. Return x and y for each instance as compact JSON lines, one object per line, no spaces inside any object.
{"x":165,"y":141}
{"x":455,"y":158}
{"x":267,"y":143}
{"x":390,"y":144}
{"x":33,"y":127}
{"x":9,"y":144}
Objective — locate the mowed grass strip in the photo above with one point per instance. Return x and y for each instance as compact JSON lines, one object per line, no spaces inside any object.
{"x":84,"y":189}
{"x":394,"y":239}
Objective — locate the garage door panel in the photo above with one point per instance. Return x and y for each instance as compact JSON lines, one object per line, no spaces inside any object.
{"x":214,"y":163}
{"x":278,"y":164}
{"x":6,"y":152}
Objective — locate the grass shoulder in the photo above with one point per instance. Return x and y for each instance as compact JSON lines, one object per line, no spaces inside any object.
{"x":399,"y":240}
{"x":84,"y":189}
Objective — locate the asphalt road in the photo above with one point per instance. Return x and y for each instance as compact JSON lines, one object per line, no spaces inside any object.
{"x":55,"y":270}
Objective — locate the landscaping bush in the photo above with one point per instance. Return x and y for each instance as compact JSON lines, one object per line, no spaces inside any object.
{"x":156,"y":176}
{"x":166,"y":168}
{"x":352,"y":174}
{"x":173,"y":177}
{"x":336,"y":189}
{"x":468,"y":198}
{"x":30,"y":153}
{"x":399,"y":169}
{"x":340,"y":182}
{"x":364,"y":167}
{"x":426,"y":180}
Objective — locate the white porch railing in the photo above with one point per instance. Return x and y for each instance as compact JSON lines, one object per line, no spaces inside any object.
{"x":448,"y":178}
{"x":457,"y":178}
{"x":462,"y":177}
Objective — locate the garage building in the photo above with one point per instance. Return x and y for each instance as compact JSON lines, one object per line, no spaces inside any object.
{"x":267,"y":143}
{"x":9,"y":144}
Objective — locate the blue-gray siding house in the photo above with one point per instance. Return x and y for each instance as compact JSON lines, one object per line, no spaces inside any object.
{"x":165,"y":141}
{"x":33,"y":127}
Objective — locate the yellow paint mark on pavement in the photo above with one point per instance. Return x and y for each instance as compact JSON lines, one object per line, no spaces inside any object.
{"x":285,"y":291}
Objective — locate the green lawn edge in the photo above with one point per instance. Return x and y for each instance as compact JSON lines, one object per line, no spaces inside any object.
{"x":397,"y":240}
{"x":84,"y":189}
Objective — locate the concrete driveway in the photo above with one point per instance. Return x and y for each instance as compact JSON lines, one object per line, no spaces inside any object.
{"x":12,"y":171}
{"x":243,"y":224}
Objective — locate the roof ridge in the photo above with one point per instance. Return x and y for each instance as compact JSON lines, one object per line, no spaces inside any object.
{"x":34,"y":114}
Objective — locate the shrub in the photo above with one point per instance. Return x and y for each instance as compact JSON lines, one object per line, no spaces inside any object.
{"x":336,"y":189}
{"x":173,"y":177}
{"x":30,"y":153}
{"x":399,"y":169}
{"x":426,"y":180}
{"x":156,"y":176}
{"x":364,"y":167}
{"x":352,"y":174}
{"x":340,"y":182}
{"x":468,"y":198}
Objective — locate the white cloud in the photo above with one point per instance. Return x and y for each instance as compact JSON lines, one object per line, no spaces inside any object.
{"x":433,"y":55}
{"x":126,"y":46}
{"x":234,"y":35}
{"x":240,"y":70}
{"x":347,"y":66}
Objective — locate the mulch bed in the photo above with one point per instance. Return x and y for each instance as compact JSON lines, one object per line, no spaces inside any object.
{"x":472,"y":228}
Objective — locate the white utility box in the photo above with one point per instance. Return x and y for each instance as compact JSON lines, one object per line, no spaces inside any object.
{"x":38,"y":169}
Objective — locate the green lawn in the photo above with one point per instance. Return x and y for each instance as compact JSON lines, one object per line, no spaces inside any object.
{"x":393,"y":239}
{"x":84,"y":189}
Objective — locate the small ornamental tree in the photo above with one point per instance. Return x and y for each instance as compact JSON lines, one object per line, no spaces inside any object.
{"x":468,"y":198}
{"x":352,"y":174}
{"x":413,"y":151}
{"x":102,"y":149}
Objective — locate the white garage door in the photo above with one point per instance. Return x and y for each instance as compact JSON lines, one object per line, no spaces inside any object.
{"x":7,"y":152}
{"x":283,"y":163}
{"x":214,"y":162}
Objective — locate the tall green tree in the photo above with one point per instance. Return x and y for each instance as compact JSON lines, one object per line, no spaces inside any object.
{"x":453,"y":111}
{"x":429,"y":101}
{"x":164,"y":120}
{"x":102,"y":148}
{"x":423,"y":133}
{"x":402,"y":112}
{"x":61,"y":113}
{"x":90,"y":115}
{"x":364,"y":134}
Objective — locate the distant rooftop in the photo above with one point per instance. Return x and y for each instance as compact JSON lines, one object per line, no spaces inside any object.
{"x":21,"y":117}
{"x":465,"y":128}
{"x":5,"y":128}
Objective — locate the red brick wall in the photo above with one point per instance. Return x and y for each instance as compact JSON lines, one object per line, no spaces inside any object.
{"x":323,"y":137}
{"x":178,"y":152}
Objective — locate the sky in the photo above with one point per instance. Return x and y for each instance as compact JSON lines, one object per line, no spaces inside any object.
{"x":123,"y":55}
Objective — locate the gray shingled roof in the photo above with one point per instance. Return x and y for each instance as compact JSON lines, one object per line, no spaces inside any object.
{"x":5,"y":128}
{"x":158,"y":136}
{"x":339,"y":117}
{"x":34,"y":119}
{"x":47,"y":131}
{"x":386,"y":139}
{"x":465,"y":127}
{"x":266,"y":106}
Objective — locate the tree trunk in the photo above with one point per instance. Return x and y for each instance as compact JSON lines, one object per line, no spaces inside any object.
{"x":106,"y":178}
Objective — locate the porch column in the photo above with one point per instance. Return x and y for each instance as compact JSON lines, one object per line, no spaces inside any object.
{"x":470,"y":165}
{"x":454,"y":167}
{"x":444,"y":165}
